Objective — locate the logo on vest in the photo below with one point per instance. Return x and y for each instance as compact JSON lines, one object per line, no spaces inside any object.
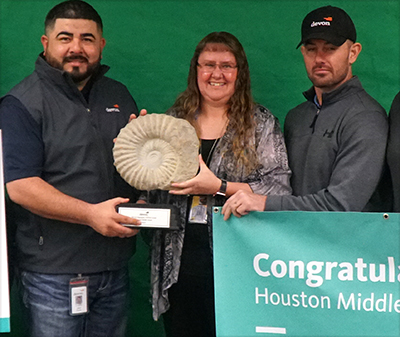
{"x":115,"y":108}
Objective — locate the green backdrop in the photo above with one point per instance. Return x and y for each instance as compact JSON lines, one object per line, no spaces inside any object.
{"x":150,"y":43}
{"x":149,"y":46}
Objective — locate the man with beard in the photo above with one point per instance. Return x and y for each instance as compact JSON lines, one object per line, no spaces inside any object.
{"x":335,"y":140}
{"x":58,"y":129}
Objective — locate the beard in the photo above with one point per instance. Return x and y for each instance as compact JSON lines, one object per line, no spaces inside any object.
{"x":330,"y":81}
{"x":76,"y":75}
{"x":327,"y":84}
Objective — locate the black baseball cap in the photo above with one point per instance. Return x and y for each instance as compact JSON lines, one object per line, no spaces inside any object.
{"x":328,"y":23}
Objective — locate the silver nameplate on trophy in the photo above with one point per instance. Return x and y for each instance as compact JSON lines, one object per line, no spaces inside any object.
{"x":150,"y":215}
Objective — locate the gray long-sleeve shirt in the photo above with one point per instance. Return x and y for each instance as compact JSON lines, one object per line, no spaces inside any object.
{"x":336,"y":152}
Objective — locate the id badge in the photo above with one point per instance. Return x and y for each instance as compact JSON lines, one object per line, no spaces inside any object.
{"x":78,"y":296}
{"x":198,"y":210}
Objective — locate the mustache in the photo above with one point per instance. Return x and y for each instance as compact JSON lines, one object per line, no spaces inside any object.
{"x":321,"y":66}
{"x":75,"y":57}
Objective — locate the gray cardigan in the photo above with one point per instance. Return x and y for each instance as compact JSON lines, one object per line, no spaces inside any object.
{"x":272,"y":177}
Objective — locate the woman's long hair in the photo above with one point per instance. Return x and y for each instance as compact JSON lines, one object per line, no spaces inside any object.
{"x":240,"y":105}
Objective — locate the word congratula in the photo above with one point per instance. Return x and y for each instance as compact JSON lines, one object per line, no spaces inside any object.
{"x":318,"y":271}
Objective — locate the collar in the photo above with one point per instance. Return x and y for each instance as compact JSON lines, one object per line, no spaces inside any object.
{"x":316,"y":102}
{"x":347,"y":88}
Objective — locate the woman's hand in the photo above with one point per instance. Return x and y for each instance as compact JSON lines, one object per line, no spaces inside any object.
{"x":204,"y":183}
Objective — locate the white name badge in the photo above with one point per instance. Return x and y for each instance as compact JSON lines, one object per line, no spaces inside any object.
{"x":78,"y":296}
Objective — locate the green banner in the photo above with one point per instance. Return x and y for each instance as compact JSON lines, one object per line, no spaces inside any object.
{"x":307,"y":274}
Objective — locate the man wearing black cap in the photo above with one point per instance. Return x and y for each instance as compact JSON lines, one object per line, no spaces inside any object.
{"x":336,"y":140}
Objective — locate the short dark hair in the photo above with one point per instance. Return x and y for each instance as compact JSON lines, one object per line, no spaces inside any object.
{"x":72,"y":9}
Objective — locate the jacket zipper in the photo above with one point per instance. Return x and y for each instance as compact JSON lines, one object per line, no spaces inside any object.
{"x":315,"y":120}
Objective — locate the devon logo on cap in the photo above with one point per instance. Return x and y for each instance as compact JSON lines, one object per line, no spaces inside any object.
{"x":328,"y":23}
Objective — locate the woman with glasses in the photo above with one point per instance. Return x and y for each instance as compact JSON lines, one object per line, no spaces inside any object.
{"x":242,"y":147}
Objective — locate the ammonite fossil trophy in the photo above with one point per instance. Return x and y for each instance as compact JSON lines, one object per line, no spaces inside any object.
{"x":150,"y":153}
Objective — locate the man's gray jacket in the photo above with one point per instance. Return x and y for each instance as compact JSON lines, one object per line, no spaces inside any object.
{"x":336,"y":151}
